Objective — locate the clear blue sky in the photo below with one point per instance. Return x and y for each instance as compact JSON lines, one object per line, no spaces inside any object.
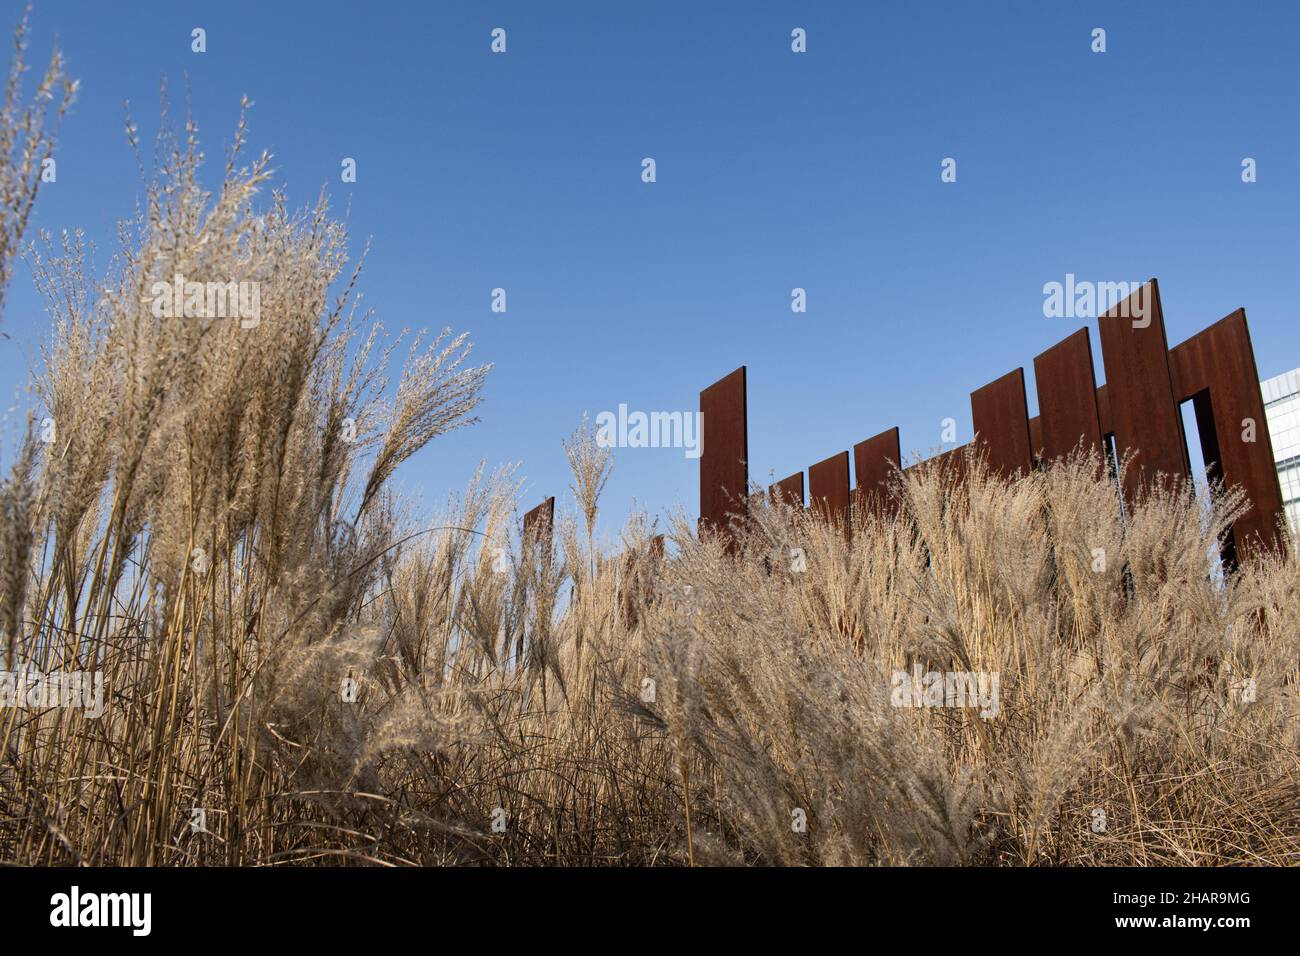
{"x":775,"y":170}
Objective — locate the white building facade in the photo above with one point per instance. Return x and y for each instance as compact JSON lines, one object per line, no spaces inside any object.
{"x":1282,"y":407}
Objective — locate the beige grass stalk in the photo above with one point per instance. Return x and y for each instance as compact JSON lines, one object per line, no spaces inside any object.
{"x":28,"y":133}
{"x":591,"y":465}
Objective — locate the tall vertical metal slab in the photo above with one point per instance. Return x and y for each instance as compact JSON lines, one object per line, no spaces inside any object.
{"x":1001,"y":417}
{"x":1144,"y":414}
{"x":875,"y":464}
{"x":724,"y":458}
{"x":1216,"y":370}
{"x":1067,"y":398}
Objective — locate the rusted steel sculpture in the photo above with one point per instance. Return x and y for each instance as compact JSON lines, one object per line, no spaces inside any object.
{"x":1137,"y":408}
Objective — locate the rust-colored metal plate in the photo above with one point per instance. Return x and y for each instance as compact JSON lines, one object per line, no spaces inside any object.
{"x":1104,"y":420}
{"x":788,"y":490}
{"x":724,"y":458}
{"x":828,"y":488}
{"x":1216,"y":370}
{"x":950,"y":468}
{"x":1067,"y":398}
{"x":1137,"y":407}
{"x":954,"y":462}
{"x":1001,"y":417}
{"x":538,"y":524}
{"x":875,"y":465}
{"x":636,"y":585}
{"x":951,"y":464}
{"x":1144,"y":415}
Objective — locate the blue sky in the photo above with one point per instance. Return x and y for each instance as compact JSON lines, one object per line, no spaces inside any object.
{"x":775,"y":170}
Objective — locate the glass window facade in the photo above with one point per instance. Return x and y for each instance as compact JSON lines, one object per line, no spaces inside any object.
{"x":1282,"y":406}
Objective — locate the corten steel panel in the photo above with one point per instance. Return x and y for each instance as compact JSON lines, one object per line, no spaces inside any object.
{"x":655,"y":552}
{"x":1036,"y":436}
{"x":950,"y":468}
{"x":1209,"y":434}
{"x":1144,"y":415}
{"x":950,"y":463}
{"x":1216,"y":368}
{"x":1067,"y":398}
{"x":828,"y":488}
{"x":724,"y":461}
{"x":955,"y":461}
{"x":788,"y":490}
{"x":875,"y":464}
{"x":1104,"y":421}
{"x":1001,"y":417}
{"x":657,"y":546}
{"x":635,"y":584}
{"x":538,"y":523}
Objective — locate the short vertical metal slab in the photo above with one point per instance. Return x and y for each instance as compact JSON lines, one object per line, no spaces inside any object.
{"x":1104,"y":419}
{"x":637,"y":586}
{"x":1144,"y":415}
{"x":828,"y":488}
{"x":1067,"y":398}
{"x":875,"y":465}
{"x":953,"y":463}
{"x":538,"y":524}
{"x":724,"y":458}
{"x":1036,"y":437}
{"x":1001,"y":417}
{"x":950,"y":465}
{"x":1216,"y":370}
{"x":788,"y":491}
